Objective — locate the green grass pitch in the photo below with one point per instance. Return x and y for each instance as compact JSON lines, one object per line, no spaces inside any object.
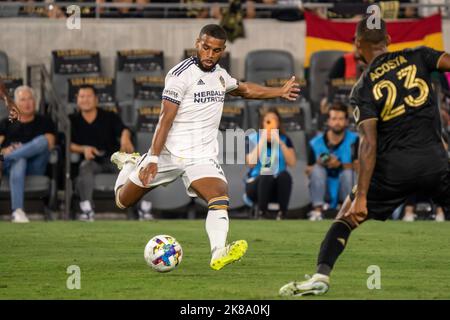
{"x":414,"y":259}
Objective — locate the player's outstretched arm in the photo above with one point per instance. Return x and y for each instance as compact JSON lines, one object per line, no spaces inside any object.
{"x":444,"y":62}
{"x":367,"y":159}
{"x":290,"y":91}
{"x":168,"y":112}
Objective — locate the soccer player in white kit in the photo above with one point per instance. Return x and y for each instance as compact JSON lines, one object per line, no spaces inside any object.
{"x":185,"y":140}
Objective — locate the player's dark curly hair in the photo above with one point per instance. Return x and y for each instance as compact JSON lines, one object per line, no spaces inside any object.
{"x":214,"y":30}
{"x":366,"y":31}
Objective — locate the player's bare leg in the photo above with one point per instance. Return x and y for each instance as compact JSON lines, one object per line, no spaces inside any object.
{"x":215,"y":192}
{"x":127,"y":192}
{"x":332,"y":246}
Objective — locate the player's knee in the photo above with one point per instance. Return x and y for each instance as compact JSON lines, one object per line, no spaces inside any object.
{"x":349,"y":222}
{"x":318,"y":173}
{"x":120,"y":202}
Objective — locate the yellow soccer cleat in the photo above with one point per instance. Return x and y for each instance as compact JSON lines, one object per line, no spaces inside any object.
{"x":121,"y":158}
{"x":229,"y":254}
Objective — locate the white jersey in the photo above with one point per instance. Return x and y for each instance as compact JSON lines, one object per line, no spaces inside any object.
{"x":200,"y":97}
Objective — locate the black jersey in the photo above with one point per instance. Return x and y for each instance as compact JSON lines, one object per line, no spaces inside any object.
{"x":396,"y":91}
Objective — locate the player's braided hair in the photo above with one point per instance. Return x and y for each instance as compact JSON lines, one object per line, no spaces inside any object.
{"x":366,"y":31}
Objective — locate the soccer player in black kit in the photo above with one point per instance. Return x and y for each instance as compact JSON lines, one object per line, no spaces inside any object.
{"x":401,"y":152}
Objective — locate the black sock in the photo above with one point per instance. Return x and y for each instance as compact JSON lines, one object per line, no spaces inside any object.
{"x":332,"y":246}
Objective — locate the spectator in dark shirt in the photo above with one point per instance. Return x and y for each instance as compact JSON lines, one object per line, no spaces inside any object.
{"x":96,"y":135}
{"x":25,"y":146}
{"x":268,"y":177}
{"x":349,"y":66}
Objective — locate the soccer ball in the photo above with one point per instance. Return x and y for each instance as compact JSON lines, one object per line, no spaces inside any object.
{"x":163,"y":253}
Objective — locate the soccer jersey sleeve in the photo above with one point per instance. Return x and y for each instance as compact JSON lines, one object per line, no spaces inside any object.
{"x":175,"y":87}
{"x":362,"y":102}
{"x":230,"y":82}
{"x":430,"y":57}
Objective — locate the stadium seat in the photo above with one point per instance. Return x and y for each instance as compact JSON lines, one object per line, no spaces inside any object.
{"x":143,"y":141}
{"x":234,"y":114}
{"x":38,"y":188}
{"x":124,"y":85}
{"x":8,"y":11}
{"x":261,"y":65}
{"x":4,"y":64}
{"x":299,"y":141}
{"x":235,"y":174}
{"x":61,"y":83}
{"x":146,"y":122}
{"x":72,"y":64}
{"x":132,"y":65}
{"x":300,"y":197}
{"x":320,"y":66}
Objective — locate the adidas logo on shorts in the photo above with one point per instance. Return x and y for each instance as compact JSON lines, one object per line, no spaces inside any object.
{"x":200,"y":82}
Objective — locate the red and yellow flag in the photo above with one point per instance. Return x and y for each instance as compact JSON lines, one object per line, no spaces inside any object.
{"x":323,"y":34}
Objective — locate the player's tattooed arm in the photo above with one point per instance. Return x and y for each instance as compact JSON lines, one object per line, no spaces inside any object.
{"x":367,"y":154}
{"x":444,"y":62}
{"x":367,"y":159}
{"x":249,"y":90}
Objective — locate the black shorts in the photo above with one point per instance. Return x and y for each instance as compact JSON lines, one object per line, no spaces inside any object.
{"x":385,"y":196}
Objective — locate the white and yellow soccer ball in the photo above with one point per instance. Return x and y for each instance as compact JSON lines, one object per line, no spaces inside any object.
{"x":163,"y":253}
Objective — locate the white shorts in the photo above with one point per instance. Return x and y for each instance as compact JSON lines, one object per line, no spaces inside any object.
{"x":171,"y":167}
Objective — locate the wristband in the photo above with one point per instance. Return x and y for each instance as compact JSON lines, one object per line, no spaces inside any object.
{"x":153,"y":159}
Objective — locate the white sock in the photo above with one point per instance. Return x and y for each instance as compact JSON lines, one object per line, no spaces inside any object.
{"x":123,"y":175}
{"x":217,"y":229}
{"x":86,"y":206}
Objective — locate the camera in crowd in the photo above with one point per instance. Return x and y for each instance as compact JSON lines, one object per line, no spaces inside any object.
{"x":325,"y":157}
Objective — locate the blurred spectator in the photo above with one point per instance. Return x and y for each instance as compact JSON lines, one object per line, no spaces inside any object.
{"x":25,"y":146}
{"x":332,"y":162}
{"x":197,"y":11}
{"x":268,"y":178}
{"x":295,"y":13}
{"x":349,"y":66}
{"x":53,"y":11}
{"x":96,"y":135}
{"x":124,"y":11}
{"x":249,"y":13}
{"x":410,"y":204}
{"x":445,"y":100}
{"x":233,"y":21}
{"x":428,"y":11}
{"x":410,"y":210}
